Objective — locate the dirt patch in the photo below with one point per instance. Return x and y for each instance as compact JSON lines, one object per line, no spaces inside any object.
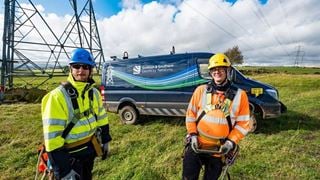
{"x":33,"y":95}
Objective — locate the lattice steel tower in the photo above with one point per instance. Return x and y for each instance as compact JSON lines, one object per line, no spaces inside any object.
{"x":32,"y":48}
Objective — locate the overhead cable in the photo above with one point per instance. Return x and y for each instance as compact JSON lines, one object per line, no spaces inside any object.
{"x":221,"y":28}
{"x":264,"y":20}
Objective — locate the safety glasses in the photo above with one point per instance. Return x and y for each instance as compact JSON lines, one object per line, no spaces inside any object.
{"x":78,"y":66}
{"x":219,"y":69}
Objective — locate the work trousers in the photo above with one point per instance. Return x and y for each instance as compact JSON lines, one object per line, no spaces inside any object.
{"x":80,"y":161}
{"x":193,"y":162}
{"x":83,"y":166}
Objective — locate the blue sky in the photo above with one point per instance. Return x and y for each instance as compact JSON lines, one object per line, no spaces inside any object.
{"x":275,"y":32}
{"x":103,"y":8}
{"x":111,"y":7}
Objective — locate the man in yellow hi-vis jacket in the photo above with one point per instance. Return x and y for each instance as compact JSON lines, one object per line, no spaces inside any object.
{"x":75,"y":123}
{"x":217,"y":118}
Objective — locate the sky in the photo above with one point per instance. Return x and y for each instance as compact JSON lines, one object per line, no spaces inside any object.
{"x":268,"y":32}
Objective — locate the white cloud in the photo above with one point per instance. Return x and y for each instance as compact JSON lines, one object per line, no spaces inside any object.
{"x":269,"y":33}
{"x":266,"y":34}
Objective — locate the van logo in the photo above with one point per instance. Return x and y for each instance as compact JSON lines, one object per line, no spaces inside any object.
{"x":256,"y":91}
{"x":137,"y":69}
{"x":109,"y":75}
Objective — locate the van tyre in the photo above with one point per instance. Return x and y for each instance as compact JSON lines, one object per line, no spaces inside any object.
{"x":128,"y":115}
{"x":253,"y":123}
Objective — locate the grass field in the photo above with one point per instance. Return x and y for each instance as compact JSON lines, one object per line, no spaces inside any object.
{"x":284,"y":148}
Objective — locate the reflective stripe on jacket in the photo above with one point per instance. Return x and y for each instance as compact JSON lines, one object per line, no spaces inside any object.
{"x":57,"y":112}
{"x":214,"y":126}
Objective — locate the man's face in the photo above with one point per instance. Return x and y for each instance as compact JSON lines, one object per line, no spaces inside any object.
{"x":80,"y":72}
{"x":219,"y":74}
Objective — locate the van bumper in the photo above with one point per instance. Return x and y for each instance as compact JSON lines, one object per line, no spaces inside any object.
{"x":272,"y":110}
{"x":111,"y":107}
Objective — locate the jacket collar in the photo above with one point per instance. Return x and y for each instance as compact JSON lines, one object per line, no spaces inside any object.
{"x":80,"y":86}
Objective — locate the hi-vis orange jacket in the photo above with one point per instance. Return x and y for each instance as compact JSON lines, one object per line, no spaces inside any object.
{"x":213,"y":126}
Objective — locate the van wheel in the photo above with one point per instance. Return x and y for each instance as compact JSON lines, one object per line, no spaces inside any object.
{"x":253,"y":123}
{"x":128,"y":115}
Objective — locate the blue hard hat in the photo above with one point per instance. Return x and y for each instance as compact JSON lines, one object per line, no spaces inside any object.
{"x":82,"y":56}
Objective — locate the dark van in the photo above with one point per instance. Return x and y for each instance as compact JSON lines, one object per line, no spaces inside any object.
{"x":163,"y":85}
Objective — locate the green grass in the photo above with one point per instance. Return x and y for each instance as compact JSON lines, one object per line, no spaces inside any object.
{"x":279,"y":69}
{"x":284,"y":148}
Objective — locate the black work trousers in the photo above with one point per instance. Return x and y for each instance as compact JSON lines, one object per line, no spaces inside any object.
{"x":193,"y":162}
{"x":80,"y":161}
{"x":83,"y":166}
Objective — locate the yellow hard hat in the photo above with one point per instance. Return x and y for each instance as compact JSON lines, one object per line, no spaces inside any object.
{"x":218,"y":60}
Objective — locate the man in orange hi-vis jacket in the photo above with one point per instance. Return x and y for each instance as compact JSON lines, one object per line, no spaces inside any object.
{"x":217,"y":118}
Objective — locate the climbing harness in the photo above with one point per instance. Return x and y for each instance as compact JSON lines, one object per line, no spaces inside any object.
{"x":224,"y":105}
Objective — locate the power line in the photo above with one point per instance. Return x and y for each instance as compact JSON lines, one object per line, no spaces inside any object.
{"x":292,"y":39}
{"x":286,"y":19}
{"x":262,"y":18}
{"x":211,"y":21}
{"x":221,"y":28}
{"x":234,"y":20}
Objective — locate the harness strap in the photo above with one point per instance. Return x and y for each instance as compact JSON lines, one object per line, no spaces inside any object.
{"x":73,"y":94}
{"x":96,"y":145}
{"x":229,"y":123}
{"x":229,"y":94}
{"x":91,"y":99}
{"x":78,"y":143}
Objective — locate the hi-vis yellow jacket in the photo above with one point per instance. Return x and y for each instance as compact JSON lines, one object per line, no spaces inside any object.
{"x":57,"y":112}
{"x":214,"y":126}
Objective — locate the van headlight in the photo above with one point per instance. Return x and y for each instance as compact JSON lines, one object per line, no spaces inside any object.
{"x":272,"y":93}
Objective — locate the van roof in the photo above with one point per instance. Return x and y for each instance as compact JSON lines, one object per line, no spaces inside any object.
{"x":170,"y":56}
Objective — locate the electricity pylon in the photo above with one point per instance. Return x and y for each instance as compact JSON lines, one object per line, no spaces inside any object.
{"x":33,"y":49}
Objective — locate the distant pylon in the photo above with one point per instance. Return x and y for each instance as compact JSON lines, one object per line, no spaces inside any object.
{"x":30,"y":51}
{"x":298,"y":54}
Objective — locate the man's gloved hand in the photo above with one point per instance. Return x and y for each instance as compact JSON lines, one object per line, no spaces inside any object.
{"x":226,"y":147}
{"x":72,"y":175}
{"x":194,"y":142}
{"x":105,"y":150}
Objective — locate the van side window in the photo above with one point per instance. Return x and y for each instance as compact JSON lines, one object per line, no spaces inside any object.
{"x":203,"y":68}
